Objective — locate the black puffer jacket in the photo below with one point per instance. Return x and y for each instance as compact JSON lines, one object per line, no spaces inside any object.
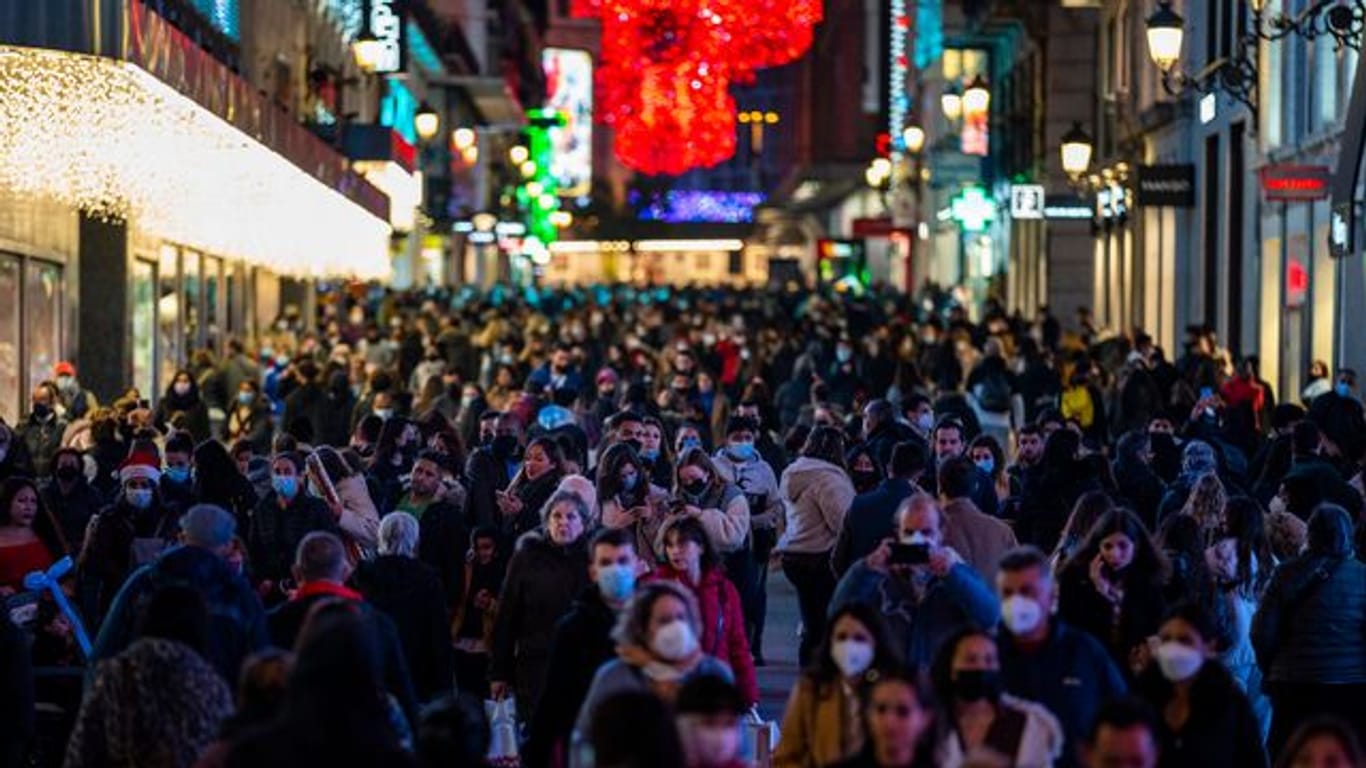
{"x":543,"y":578}
{"x":1311,"y":625}
{"x":275,"y":533}
{"x":1221,"y":729}
{"x":409,"y":592}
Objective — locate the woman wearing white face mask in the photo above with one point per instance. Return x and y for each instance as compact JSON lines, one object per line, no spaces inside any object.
{"x":823,"y":724}
{"x":1205,"y":717}
{"x":657,"y":650}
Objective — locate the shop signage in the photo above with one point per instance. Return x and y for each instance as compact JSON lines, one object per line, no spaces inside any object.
{"x":1112,"y":202}
{"x":1296,"y":283}
{"x":386,"y":23}
{"x":1065,"y":207}
{"x":1027,"y":201}
{"x":1166,"y":185}
{"x":972,"y":209}
{"x":1291,"y":183}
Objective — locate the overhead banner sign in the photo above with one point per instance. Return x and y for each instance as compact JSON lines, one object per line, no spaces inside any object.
{"x":569,"y":91}
{"x":1166,"y":185}
{"x":1027,"y":201}
{"x":386,"y":24}
{"x":1294,"y":183}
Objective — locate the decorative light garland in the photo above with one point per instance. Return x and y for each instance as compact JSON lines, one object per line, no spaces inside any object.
{"x":899,"y":102}
{"x":112,"y":140}
{"x":667,"y":66}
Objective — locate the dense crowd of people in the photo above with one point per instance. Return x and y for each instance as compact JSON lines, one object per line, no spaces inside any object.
{"x":1011,"y":542}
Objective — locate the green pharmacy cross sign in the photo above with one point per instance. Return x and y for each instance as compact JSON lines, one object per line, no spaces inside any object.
{"x":972,"y":209}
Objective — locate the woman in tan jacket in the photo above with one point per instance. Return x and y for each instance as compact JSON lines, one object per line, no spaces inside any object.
{"x":823,"y":723}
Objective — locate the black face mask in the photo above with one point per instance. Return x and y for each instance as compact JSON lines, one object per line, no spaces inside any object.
{"x":67,"y":473}
{"x":695,"y":488}
{"x":505,"y":446}
{"x":977,"y":684}
{"x":41,"y":410}
{"x":864,"y":480}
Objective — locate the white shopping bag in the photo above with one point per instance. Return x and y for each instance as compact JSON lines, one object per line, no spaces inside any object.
{"x":502,"y":717}
{"x":758,"y":738}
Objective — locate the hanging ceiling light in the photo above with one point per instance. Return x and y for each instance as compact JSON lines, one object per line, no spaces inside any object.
{"x":1076,"y":151}
{"x":1165,"y":33}
{"x":426,"y":121}
{"x":976,"y":98}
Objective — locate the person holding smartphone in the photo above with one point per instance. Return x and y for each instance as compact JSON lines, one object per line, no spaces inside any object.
{"x":923,"y":588}
{"x":1112,"y":587}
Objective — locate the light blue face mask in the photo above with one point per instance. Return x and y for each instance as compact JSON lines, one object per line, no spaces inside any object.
{"x":742,"y":451}
{"x":139,"y":498}
{"x":177,"y":475}
{"x":649,"y":455}
{"x":689,"y":442}
{"x":1342,"y":389}
{"x":246,"y":398}
{"x":285,"y":485}
{"x":617,"y":582}
{"x":987,"y":465}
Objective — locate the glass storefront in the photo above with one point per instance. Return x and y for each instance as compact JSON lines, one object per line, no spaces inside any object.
{"x":32,"y":302}
{"x":143,"y":325}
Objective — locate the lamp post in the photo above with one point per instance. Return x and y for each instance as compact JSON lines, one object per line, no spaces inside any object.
{"x":951,"y":104}
{"x":426,"y":122}
{"x":976,"y":97}
{"x":366,"y":49}
{"x":1076,"y":150}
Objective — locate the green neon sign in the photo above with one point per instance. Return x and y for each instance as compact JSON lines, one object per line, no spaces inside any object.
{"x":972,"y":209}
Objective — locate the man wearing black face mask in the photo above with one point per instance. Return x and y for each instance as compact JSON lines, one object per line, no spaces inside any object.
{"x":42,"y":431}
{"x":490,"y":469}
{"x":70,"y":497}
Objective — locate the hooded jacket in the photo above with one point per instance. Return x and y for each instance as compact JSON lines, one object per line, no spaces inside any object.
{"x":819,"y":495}
{"x":1311,"y":625}
{"x":723,"y":624}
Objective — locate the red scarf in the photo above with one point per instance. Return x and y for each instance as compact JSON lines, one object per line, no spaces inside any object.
{"x":326,"y":588}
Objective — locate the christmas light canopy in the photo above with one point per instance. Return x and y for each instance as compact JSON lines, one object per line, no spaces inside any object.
{"x":112,"y":140}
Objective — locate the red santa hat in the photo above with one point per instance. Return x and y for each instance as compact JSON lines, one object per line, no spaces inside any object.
{"x":140,"y":464}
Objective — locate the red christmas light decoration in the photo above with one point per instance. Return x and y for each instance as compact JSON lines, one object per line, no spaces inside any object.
{"x":664,"y":80}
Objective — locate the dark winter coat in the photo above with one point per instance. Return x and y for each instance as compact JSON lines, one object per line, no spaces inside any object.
{"x":485,"y":474}
{"x":106,"y":558}
{"x":191,"y":410}
{"x":42,"y":438}
{"x":16,"y":693}
{"x":1311,"y":624}
{"x":1221,"y":729}
{"x":1080,"y":605}
{"x":442,"y":540}
{"x":237,"y":622}
{"x":287,"y":619}
{"x":870,"y":520}
{"x":275,"y":533}
{"x":543,"y":578}
{"x":410,"y":594}
{"x":73,"y":510}
{"x":1071,"y":674}
{"x":581,"y":644}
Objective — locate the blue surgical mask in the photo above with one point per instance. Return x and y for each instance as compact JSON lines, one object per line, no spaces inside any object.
{"x":689,"y":442}
{"x":139,"y":498}
{"x":742,"y":451}
{"x":384,"y":413}
{"x":616,"y":582}
{"x":177,"y":475}
{"x":1342,"y":389}
{"x":246,"y":398}
{"x":285,"y":485}
{"x":649,"y":455}
{"x":844,"y":354}
{"x":628,"y":482}
{"x":987,"y":465}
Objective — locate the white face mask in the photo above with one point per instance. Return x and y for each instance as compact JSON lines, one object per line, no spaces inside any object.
{"x":1179,"y":661}
{"x":713,"y":746}
{"x":674,"y":641}
{"x":853,"y":657}
{"x":914,"y":538}
{"x":925,"y":421}
{"x":1020,"y":614}
{"x":182,"y":388}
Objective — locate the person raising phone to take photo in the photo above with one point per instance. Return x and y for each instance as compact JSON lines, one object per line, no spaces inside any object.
{"x":922,"y":587}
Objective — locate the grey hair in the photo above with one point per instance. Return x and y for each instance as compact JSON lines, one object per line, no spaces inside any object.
{"x":633,"y":627}
{"x":208,"y":525}
{"x":916,"y":501}
{"x":321,"y":556}
{"x":569,"y":497}
{"x":398,"y":534}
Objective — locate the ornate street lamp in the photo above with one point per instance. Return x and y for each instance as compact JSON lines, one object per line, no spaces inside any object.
{"x":976,"y":98}
{"x":367,"y":49}
{"x":1165,"y":33}
{"x":1076,"y":151}
{"x":914,"y":138}
{"x":426,"y":121}
{"x":951,"y":104}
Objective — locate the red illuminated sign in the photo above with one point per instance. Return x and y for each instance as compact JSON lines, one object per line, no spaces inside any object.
{"x":1296,"y":283}
{"x":1289,"y":183}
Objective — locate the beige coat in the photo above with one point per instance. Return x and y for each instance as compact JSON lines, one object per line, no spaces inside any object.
{"x":820,"y":727}
{"x":978,"y":538}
